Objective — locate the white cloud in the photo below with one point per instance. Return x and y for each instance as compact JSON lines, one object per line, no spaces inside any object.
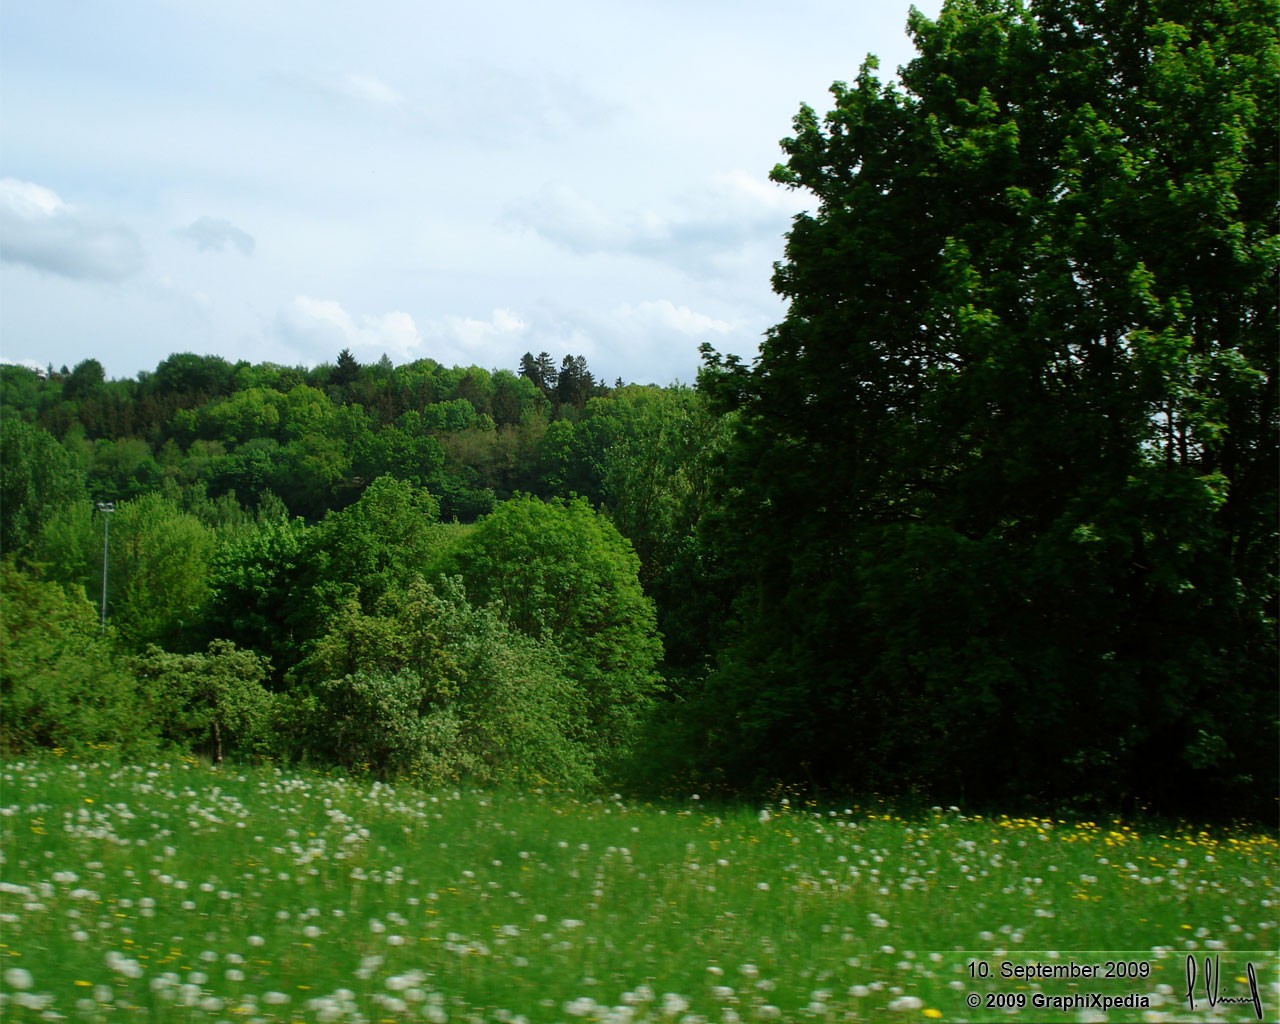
{"x":664,"y":315}
{"x":654,"y":341}
{"x":753,"y":190}
{"x":348,"y":89}
{"x":464,"y":341}
{"x":469,"y":331}
{"x":29,"y":200}
{"x":322,"y":324}
{"x":215,"y":234}
{"x":324,"y":327}
{"x":709,"y":232}
{"x":40,"y":230}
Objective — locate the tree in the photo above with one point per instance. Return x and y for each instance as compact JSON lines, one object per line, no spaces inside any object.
{"x":213,"y":701}
{"x":87,"y":377}
{"x":121,"y":469}
{"x":309,"y":473}
{"x":574,"y":383}
{"x":1005,"y":485}
{"x":476,"y":386}
{"x":515,"y":398}
{"x":190,"y":380}
{"x":396,"y":452}
{"x":347,"y":371}
{"x":258,"y":595}
{"x":38,"y":477}
{"x":250,"y":471}
{"x":429,"y":686}
{"x":22,"y":390}
{"x":60,"y":682}
{"x":158,"y":585}
{"x":68,"y":548}
{"x":248,"y":414}
{"x":542,"y":371}
{"x":378,"y":544}
{"x":656,"y":474}
{"x":561,"y":573}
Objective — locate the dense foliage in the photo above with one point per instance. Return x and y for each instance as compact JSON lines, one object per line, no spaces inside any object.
{"x":1007,"y":479}
{"x":991,"y":518}
{"x":293,"y":569}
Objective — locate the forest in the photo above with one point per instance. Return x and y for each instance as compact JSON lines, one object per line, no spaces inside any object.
{"x":990,"y":520}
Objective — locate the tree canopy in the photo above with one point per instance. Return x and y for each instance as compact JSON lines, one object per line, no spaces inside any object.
{"x":560,"y":572}
{"x":1005,"y":488}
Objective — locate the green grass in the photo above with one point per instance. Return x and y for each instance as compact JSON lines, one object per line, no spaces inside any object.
{"x":178,"y":892}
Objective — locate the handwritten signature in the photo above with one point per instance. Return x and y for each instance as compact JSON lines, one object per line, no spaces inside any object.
{"x":1212,"y":977}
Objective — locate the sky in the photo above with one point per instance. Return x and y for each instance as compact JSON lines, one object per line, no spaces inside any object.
{"x":278,"y":181}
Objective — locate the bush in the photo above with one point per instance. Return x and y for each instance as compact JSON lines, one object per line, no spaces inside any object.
{"x":214,"y":702}
{"x":561,"y":573}
{"x":433,"y":688}
{"x":60,"y":683}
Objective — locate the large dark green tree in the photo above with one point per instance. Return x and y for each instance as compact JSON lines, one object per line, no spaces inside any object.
{"x":541,"y":371}
{"x":1005,"y":489}
{"x":259,"y":594}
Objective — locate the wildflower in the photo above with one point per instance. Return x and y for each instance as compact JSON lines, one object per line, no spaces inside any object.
{"x":18,"y":977}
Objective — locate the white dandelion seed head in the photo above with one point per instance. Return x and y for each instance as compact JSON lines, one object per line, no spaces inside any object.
{"x":18,"y":977}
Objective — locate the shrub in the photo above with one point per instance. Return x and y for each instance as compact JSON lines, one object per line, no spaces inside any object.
{"x":60,"y":682}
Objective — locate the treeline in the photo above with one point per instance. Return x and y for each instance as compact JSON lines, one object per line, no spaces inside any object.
{"x":312,"y":437}
{"x":289,"y":574}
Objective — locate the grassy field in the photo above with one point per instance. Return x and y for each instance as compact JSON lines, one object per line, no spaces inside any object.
{"x":175,"y":892}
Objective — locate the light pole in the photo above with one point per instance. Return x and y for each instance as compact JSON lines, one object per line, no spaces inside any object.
{"x":106,"y":508}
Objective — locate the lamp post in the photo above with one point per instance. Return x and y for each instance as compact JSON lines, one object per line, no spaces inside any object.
{"x":106,"y":508}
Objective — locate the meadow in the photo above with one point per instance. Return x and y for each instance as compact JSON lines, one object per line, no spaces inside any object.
{"x":180,"y":892}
